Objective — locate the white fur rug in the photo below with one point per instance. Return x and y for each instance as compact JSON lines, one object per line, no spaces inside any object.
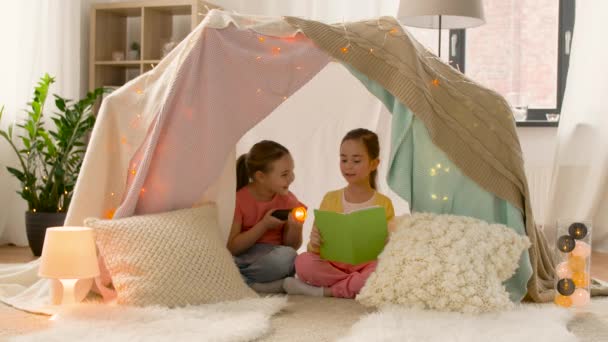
{"x":238,"y":321}
{"x":525,"y":323}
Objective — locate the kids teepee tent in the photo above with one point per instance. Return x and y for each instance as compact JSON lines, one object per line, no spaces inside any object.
{"x":167,"y":139}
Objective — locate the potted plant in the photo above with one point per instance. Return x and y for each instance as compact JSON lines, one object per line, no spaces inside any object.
{"x":49,"y":160}
{"x":134,"y":51}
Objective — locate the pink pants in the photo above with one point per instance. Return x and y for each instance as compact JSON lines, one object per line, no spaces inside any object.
{"x":344,"y":280}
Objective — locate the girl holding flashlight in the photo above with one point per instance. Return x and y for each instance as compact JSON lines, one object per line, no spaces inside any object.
{"x":264,"y":246}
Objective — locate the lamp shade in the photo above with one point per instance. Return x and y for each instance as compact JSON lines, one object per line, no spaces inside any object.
{"x":69,"y":253}
{"x":455,"y":14}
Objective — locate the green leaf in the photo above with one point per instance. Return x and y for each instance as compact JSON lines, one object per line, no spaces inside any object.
{"x":49,"y":144}
{"x":60,"y":103}
{"x":19,"y":174}
{"x":3,"y":133}
{"x":26,"y":143}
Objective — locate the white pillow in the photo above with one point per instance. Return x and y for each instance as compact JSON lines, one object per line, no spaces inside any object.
{"x":170,"y":259}
{"x":446,"y":263}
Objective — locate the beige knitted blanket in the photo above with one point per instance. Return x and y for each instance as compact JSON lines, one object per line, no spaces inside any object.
{"x":473,"y":125}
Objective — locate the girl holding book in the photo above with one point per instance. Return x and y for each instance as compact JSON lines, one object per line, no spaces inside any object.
{"x":359,"y":159}
{"x":263,"y":246}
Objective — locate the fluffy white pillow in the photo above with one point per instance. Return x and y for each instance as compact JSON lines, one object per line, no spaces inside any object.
{"x":446,"y":263}
{"x":170,"y":259}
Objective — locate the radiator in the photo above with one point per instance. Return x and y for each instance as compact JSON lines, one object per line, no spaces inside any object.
{"x":539,"y":183}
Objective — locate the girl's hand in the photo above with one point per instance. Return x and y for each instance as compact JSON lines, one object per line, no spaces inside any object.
{"x":271,"y":222}
{"x":315,"y":238}
{"x":293,"y":222}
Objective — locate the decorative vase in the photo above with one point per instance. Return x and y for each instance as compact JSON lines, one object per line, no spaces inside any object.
{"x":133,"y":55}
{"x":36,"y":225}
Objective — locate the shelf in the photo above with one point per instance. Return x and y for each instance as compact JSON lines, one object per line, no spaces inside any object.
{"x":127,"y":63}
{"x":151,"y":23}
{"x":119,"y":63}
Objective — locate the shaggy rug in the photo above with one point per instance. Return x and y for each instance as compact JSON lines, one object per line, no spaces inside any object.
{"x":525,"y":323}
{"x":244,"y":320}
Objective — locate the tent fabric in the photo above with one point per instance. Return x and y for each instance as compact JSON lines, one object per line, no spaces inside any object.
{"x":167,"y":139}
{"x":433,"y":183}
{"x":471,"y":124}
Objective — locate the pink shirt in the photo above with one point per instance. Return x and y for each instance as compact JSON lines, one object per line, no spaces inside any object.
{"x":249,"y":211}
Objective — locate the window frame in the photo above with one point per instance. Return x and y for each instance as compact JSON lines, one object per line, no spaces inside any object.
{"x":536,"y":116}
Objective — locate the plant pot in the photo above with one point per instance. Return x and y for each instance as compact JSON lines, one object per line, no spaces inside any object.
{"x":36,"y":225}
{"x":133,"y":55}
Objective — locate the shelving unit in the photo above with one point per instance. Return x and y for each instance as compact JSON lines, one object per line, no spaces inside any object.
{"x":152,"y":24}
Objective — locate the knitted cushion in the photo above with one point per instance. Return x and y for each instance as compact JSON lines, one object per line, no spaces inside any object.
{"x":170,"y":259}
{"x":446,"y":263}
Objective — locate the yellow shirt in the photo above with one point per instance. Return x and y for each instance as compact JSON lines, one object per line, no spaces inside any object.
{"x":333,"y":201}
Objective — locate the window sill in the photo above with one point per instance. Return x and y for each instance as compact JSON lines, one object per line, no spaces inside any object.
{"x":537,"y":123}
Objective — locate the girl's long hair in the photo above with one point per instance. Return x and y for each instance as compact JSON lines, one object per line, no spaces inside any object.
{"x":259,"y":158}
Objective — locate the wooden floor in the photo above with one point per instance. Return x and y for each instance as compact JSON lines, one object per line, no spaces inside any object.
{"x":11,"y":254}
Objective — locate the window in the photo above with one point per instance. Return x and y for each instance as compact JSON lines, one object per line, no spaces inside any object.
{"x":522,"y":52}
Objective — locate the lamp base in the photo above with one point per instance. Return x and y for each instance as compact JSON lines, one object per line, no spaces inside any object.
{"x":81,"y":290}
{"x":68,"y":291}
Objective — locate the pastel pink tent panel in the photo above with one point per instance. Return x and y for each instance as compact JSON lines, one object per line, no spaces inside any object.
{"x":230,"y":81}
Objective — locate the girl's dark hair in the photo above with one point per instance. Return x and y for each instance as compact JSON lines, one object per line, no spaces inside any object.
{"x":259,"y":158}
{"x":372,"y":145}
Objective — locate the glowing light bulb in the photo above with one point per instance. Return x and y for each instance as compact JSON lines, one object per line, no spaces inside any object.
{"x":34,"y":210}
{"x":577,"y":230}
{"x":299,"y":214}
{"x":433,"y":172}
{"x":581,"y":249}
{"x":563,"y":270}
{"x":577,"y":263}
{"x":565,"y":243}
{"x":580,"y":279}
{"x":133,"y":172}
{"x":344,"y":49}
{"x":565,"y":286}
{"x":109,"y":214}
{"x":436,"y":82}
{"x":433,"y":196}
{"x":261,"y":39}
{"x":563,"y":301}
{"x":580,"y":297}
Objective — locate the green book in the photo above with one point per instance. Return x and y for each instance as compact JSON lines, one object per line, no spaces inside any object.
{"x":352,"y":238}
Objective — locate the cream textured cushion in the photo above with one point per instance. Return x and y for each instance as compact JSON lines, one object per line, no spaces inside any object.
{"x":169,"y":259}
{"x":446,"y":263}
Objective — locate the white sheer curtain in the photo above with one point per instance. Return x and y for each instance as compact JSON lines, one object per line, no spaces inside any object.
{"x":37,"y":36}
{"x":330,"y":11}
{"x":580,"y":175}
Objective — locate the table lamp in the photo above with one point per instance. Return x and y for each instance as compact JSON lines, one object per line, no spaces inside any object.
{"x":68,"y":255}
